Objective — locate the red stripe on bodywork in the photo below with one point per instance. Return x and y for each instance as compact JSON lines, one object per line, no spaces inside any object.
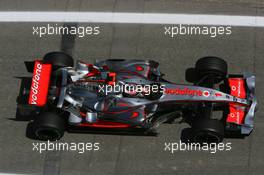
{"x":139,"y":68}
{"x":105,"y":124}
{"x":135,"y":114}
{"x":40,"y":84}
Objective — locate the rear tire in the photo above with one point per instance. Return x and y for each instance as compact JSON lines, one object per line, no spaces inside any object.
{"x":49,"y":126}
{"x":58,"y":59}
{"x":208,"y":131}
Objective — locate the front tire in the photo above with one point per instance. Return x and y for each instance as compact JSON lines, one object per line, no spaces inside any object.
{"x":57,"y":60}
{"x":49,"y":126}
{"x":211,"y":70}
{"x":208,"y":131}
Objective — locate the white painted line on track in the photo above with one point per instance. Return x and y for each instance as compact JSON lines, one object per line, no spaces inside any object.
{"x":13,"y":174}
{"x":131,"y":18}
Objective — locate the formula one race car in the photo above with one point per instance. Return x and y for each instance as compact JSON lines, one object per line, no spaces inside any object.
{"x":120,"y":94}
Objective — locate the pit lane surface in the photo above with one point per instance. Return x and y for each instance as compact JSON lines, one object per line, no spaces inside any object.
{"x":243,"y":50}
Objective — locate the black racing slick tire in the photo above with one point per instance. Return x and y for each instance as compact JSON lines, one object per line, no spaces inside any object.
{"x":58,"y":59}
{"x":49,"y":126}
{"x":211,"y":66}
{"x":208,"y":131}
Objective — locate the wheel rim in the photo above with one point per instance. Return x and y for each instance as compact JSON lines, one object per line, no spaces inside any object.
{"x":47,"y":134}
{"x":207,"y":137}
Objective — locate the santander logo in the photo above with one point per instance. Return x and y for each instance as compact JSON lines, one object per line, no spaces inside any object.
{"x":35,"y":84}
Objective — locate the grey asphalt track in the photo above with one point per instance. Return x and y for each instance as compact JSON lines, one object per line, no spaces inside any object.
{"x":120,"y":154}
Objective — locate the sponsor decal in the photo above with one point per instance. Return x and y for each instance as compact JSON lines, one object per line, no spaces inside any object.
{"x":235,"y":115}
{"x":39,"y":84}
{"x":237,"y":86}
{"x":206,"y":93}
{"x":218,"y":94}
{"x":184,"y":91}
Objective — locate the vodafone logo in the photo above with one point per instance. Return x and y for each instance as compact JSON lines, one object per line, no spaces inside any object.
{"x":236,"y":116}
{"x":233,"y":88}
{"x":187,"y":91}
{"x":184,"y":91}
{"x":35,"y":84}
{"x":237,"y":87}
{"x":206,"y":93}
{"x":40,"y":84}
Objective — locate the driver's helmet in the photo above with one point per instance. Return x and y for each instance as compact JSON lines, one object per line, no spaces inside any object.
{"x":82,"y":67}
